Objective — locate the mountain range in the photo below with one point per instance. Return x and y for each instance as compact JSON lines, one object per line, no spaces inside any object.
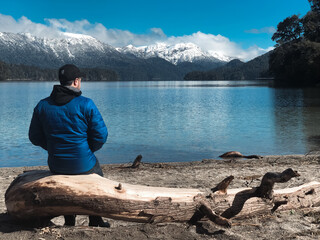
{"x":155,"y":62}
{"x":87,"y":52}
{"x":176,"y":53}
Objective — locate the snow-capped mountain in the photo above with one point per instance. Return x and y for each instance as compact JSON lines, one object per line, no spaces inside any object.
{"x":159,"y":61}
{"x":24,"y":48}
{"x":70,"y":47}
{"x":176,"y":53}
{"x":67,"y":42}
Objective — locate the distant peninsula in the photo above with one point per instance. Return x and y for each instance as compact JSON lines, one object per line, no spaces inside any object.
{"x":255,"y":69}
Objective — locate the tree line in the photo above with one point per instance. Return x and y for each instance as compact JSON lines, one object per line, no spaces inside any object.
{"x":295,"y":62}
{"x":31,"y":73}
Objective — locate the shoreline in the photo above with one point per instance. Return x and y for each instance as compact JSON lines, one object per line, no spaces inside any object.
{"x":127,"y":163}
{"x":202,"y":175}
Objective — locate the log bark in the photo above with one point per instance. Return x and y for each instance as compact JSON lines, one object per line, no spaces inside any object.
{"x":39,"y":194}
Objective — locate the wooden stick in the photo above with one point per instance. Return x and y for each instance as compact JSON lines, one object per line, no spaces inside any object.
{"x":265,"y":190}
{"x":223,"y":185}
{"x":136,"y":162}
{"x":207,"y":211}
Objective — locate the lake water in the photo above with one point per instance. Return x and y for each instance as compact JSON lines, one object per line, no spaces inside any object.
{"x":173,"y":121}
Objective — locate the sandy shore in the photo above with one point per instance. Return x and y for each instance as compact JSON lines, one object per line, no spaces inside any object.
{"x":205,"y":174}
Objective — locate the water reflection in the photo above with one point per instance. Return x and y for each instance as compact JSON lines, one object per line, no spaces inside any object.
{"x":311,"y":97}
{"x":311,"y":114}
{"x":297,"y":115}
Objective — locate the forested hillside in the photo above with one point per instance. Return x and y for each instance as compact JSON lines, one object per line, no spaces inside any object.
{"x":235,"y":70}
{"x":296,"y":60}
{"x":23,"y":72}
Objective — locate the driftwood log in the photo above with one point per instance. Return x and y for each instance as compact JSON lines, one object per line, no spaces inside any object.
{"x":235,"y":154}
{"x":41,"y":195}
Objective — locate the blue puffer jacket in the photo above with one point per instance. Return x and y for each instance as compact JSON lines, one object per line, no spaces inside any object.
{"x":70,"y":128}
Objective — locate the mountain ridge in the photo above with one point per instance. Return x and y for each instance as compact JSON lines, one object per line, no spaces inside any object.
{"x":87,"y":52}
{"x":156,"y":62}
{"x":175,"y":53}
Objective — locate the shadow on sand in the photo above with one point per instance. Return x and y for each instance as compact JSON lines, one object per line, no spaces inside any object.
{"x":10,"y":225}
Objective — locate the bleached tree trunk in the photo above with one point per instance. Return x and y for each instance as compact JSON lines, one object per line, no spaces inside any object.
{"x":39,"y":194}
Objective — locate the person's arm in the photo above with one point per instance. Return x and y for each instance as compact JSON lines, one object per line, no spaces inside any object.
{"x":97,"y":130}
{"x":36,"y":133}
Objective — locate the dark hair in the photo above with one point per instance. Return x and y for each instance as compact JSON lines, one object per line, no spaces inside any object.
{"x":69,"y":83}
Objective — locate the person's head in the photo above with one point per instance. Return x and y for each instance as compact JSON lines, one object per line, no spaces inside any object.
{"x":70,"y":75}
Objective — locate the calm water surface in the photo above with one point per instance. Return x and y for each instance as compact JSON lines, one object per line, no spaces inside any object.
{"x":173,"y":121}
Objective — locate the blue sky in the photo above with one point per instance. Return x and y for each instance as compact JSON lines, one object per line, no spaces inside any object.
{"x":244,"y":24}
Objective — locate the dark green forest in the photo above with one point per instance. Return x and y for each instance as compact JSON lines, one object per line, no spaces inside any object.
{"x":27,"y":73}
{"x":295,"y":62}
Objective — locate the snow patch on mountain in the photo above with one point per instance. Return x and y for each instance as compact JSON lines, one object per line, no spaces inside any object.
{"x":66,"y":48}
{"x":177,"y":53}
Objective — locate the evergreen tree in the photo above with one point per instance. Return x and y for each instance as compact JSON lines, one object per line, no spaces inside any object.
{"x":288,"y":30}
{"x":311,"y":26}
{"x":315,"y":5}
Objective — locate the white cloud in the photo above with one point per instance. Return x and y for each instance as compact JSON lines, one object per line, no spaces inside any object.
{"x":269,"y":30}
{"x":23,"y":24}
{"x":118,"y":38}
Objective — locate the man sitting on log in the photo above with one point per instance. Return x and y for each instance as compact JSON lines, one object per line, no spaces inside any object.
{"x":70,"y":127}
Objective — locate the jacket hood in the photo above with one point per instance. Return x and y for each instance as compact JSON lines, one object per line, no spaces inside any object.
{"x":61,"y":95}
